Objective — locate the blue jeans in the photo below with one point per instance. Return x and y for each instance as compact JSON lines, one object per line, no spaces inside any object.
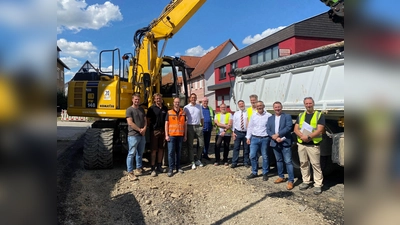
{"x":240,"y":138}
{"x":256,"y":145}
{"x":136,"y":148}
{"x":284,"y":154}
{"x":174,"y":152}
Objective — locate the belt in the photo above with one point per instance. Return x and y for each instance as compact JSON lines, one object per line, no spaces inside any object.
{"x":259,"y":136}
{"x":194,"y":124}
{"x":240,"y":131}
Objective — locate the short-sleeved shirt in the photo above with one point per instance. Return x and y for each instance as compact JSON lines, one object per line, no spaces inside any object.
{"x":138,"y":117}
{"x":157,"y":116}
{"x":307,"y":119}
{"x":194,"y":114}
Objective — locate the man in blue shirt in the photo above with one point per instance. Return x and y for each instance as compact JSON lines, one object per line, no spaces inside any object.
{"x":208,"y":114}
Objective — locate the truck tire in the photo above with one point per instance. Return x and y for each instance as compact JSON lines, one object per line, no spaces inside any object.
{"x":98,"y":148}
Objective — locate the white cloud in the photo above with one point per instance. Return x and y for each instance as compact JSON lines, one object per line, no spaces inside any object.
{"x":77,"y":15}
{"x":68,"y":75}
{"x":24,"y":14}
{"x":198,"y":51}
{"x":78,"y":49}
{"x":250,"y":40}
{"x":71,"y":62}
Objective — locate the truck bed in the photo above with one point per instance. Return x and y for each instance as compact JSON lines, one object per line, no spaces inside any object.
{"x":317,"y":73}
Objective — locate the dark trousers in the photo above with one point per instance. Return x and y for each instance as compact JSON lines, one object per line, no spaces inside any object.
{"x":240,"y":138}
{"x":207,"y":138}
{"x":218,"y":142}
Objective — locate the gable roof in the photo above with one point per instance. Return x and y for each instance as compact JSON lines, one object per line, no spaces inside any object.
{"x":191,"y":61}
{"x":206,"y":61}
{"x":168,"y":79}
{"x":62,"y":63}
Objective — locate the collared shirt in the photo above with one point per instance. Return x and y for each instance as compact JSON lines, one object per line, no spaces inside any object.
{"x":193,"y":114}
{"x":277,"y":120}
{"x":258,"y":125}
{"x":236,"y":120}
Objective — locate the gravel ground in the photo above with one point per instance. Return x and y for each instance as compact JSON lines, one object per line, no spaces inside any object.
{"x":207,"y":195}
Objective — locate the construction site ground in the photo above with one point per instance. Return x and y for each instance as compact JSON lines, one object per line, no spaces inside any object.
{"x":207,"y":195}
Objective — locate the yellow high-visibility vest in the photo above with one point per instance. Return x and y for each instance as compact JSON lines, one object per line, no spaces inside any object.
{"x":249,"y":113}
{"x":226,"y":122}
{"x":313,"y":123}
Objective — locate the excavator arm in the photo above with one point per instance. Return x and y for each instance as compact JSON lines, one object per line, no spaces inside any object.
{"x":145,"y":72}
{"x":337,"y":10}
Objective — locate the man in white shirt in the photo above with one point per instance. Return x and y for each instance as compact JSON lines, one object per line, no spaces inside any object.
{"x":195,"y":121}
{"x":239,"y":135}
{"x":258,"y":140}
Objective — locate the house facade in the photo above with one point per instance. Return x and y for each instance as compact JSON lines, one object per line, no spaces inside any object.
{"x":60,"y":72}
{"x":203,"y":73}
{"x":311,"y":33}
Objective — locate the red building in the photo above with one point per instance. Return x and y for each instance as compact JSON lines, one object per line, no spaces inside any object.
{"x":307,"y":34}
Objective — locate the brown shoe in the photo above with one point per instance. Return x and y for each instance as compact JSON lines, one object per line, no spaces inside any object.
{"x":289,"y":185}
{"x":280,"y":180}
{"x":132,"y":176}
{"x":139,"y":172}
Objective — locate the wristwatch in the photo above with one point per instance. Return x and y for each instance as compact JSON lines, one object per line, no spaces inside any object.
{"x":309,"y":138}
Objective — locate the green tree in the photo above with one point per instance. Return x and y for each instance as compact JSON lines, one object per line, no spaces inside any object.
{"x":61,"y":101}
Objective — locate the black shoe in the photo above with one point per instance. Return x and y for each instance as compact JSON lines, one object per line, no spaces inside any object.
{"x":233,"y":166}
{"x":265,"y":177}
{"x":247,"y":165}
{"x":206,"y":157}
{"x":169,"y":173}
{"x":251,"y":176}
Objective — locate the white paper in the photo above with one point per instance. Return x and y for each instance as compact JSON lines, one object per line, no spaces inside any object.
{"x":306,"y":129}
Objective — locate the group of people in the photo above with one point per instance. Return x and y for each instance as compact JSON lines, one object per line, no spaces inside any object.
{"x":255,"y":129}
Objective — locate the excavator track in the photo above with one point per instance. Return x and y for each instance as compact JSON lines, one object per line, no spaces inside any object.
{"x":98,"y":148}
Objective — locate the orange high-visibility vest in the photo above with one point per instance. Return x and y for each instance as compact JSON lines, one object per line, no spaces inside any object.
{"x":176,"y":123}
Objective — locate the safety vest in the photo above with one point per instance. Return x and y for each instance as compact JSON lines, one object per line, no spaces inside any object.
{"x":211,"y":115}
{"x":176,"y":123}
{"x":313,"y":123}
{"x":227,"y":117}
{"x":249,"y":112}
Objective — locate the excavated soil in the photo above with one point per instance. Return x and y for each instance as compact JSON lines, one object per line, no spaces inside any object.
{"x":207,"y":195}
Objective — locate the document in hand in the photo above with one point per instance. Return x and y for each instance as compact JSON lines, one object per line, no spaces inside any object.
{"x":306,"y":129}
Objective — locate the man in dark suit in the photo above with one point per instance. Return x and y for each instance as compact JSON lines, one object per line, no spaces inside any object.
{"x":279,"y":128}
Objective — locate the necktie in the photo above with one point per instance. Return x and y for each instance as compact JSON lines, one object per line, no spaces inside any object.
{"x":241,"y":122}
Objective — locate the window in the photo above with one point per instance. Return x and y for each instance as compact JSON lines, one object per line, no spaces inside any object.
{"x":226,"y":100}
{"x":265,"y":55}
{"x":268,"y":55}
{"x":275,"y":52}
{"x":233,"y":65}
{"x":219,"y":100}
{"x":253,"y":59}
{"x":260,"y":57}
{"x":222,"y":73}
{"x":195,"y":85}
{"x":201,"y":84}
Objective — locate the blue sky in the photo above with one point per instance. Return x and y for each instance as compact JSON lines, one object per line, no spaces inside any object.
{"x":83,"y":30}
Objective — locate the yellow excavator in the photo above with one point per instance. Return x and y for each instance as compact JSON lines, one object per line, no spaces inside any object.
{"x":107,"y":94}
